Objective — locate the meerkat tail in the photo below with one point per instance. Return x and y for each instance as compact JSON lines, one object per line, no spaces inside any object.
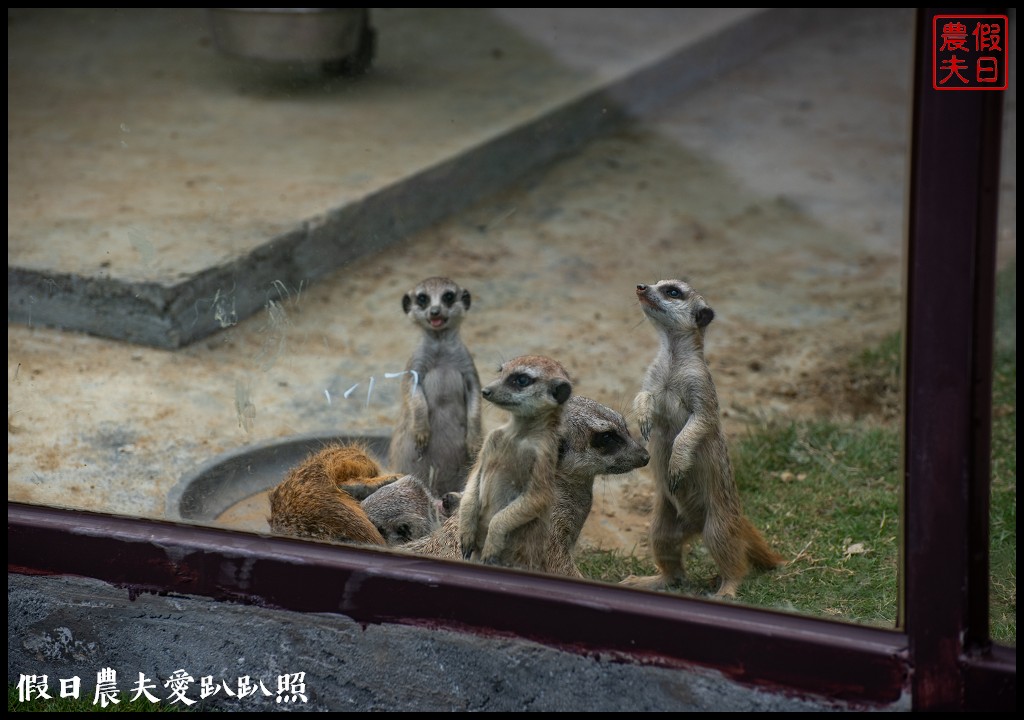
{"x":761,"y":556}
{"x":362,"y":488}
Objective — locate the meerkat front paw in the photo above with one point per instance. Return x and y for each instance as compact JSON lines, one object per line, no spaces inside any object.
{"x":491,"y":553}
{"x":422,"y":438}
{"x":643,"y":411}
{"x":466,"y":546}
{"x":676,"y":478}
{"x":680,"y":463}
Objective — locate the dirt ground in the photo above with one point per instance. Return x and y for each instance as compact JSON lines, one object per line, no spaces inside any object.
{"x":796,"y":302}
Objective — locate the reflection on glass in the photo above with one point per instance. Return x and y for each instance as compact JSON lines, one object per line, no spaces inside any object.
{"x":237,"y":239}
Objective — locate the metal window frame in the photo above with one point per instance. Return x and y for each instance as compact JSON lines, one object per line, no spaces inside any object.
{"x":941,"y":656}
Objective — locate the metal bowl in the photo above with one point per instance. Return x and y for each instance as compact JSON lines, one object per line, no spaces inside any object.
{"x":337,"y":36}
{"x":225,"y":481}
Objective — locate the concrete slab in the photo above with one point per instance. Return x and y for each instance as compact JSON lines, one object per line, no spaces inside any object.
{"x":159,"y":192}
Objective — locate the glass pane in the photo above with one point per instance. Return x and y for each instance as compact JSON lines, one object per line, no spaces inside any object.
{"x":208,"y":253}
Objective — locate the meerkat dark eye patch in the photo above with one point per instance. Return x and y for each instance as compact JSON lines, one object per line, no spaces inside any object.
{"x":520,"y":380}
{"x":448,"y":298}
{"x":606,"y":442}
{"x":422,"y":300}
{"x":674,"y":292}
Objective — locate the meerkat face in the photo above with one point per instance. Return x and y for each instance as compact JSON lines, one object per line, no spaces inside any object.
{"x":595,"y":440}
{"x":403,"y":511}
{"x":436,"y":303}
{"x":529,"y":385}
{"x":674,"y":304}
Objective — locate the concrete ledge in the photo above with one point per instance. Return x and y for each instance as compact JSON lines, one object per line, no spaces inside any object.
{"x":178,"y":305}
{"x":63,"y":627}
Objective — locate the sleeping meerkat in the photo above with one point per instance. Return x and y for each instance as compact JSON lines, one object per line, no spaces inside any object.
{"x":439,"y":429}
{"x":405,"y":510}
{"x":677,"y":410}
{"x":593,"y":440}
{"x":338,"y":494}
{"x":319,"y":497}
{"x":505,"y":511}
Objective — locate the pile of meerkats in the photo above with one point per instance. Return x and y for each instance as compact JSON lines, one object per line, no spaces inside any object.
{"x":519,"y":496}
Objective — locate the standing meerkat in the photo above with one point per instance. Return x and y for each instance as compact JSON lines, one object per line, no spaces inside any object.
{"x":593,"y":440}
{"x":505,"y":511}
{"x":677,"y":411}
{"x":439,"y":428}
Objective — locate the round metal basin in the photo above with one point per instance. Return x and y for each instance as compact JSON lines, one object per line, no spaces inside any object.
{"x":231,"y":489}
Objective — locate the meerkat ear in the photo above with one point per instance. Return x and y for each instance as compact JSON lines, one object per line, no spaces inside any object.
{"x":406,"y":303}
{"x":466,"y":299}
{"x":561,"y":390}
{"x":450,"y":502}
{"x":704,"y":315}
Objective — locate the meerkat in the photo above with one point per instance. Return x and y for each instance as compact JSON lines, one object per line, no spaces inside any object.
{"x":439,"y":428}
{"x":319,"y":497}
{"x":505,"y":510}
{"x":405,"y":510}
{"x":593,"y":440}
{"x":677,"y":411}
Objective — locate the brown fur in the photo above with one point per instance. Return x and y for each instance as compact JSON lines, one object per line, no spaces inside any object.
{"x":318,"y":498}
{"x":593,"y":440}
{"x":439,"y":430}
{"x":677,"y":410}
{"x":504,"y":515}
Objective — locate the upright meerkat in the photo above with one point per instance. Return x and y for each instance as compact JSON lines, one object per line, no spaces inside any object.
{"x":505,"y":511}
{"x":593,"y":440}
{"x":439,"y":428}
{"x":677,"y":411}
{"x":319,"y":497}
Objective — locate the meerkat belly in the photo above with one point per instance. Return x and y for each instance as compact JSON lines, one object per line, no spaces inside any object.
{"x":502,"y":484}
{"x":446,"y":398}
{"x":670,"y":415}
{"x":505,"y":475}
{"x":670,"y":418}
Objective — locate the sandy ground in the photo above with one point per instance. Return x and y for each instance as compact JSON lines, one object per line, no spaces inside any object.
{"x":778,"y":193}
